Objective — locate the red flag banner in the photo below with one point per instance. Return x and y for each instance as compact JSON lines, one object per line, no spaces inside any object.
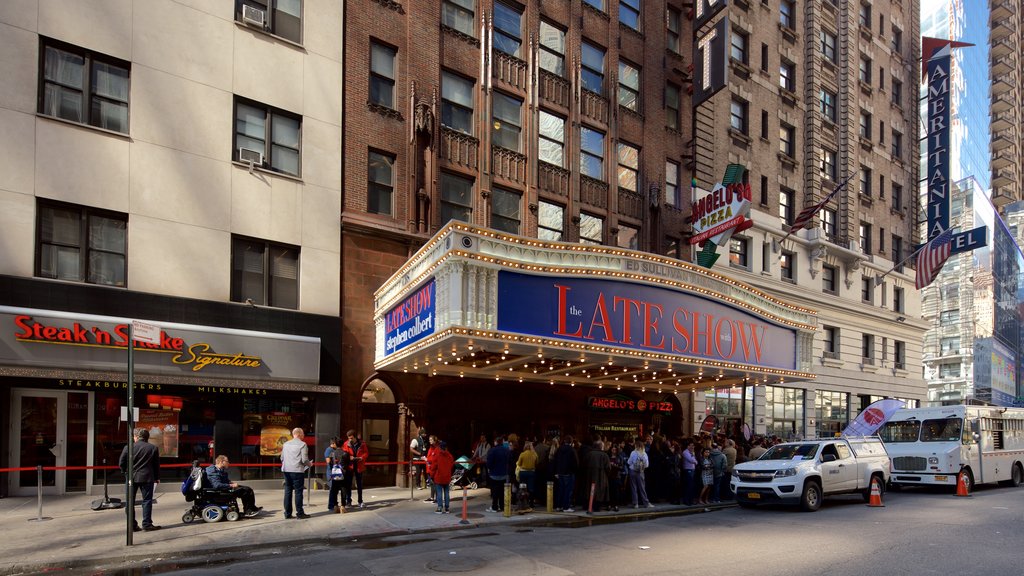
{"x":931,"y":257}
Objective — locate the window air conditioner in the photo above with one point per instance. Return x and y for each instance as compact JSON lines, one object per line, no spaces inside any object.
{"x":253,"y":157}
{"x":253,"y":16}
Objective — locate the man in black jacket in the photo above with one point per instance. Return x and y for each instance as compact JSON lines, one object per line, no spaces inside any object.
{"x":145,"y":474}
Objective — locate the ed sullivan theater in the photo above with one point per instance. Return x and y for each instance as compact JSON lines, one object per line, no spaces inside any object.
{"x":493,"y":333}
{"x":225,"y":378}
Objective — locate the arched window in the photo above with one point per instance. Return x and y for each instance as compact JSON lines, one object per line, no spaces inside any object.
{"x":377,"y":392}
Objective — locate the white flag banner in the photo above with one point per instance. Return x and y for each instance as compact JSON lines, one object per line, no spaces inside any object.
{"x":873,"y":417}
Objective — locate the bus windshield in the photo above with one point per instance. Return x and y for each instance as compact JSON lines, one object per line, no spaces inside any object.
{"x":941,"y":430}
{"x":791,"y":452}
{"x":900,"y":431}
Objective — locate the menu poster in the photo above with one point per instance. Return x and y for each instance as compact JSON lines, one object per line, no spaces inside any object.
{"x":163,"y":430}
{"x":276,"y":430}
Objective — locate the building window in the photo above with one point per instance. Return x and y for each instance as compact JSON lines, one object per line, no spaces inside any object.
{"x":672,"y":106}
{"x":784,"y":412}
{"x":787,"y":140}
{"x":738,"y":47}
{"x":864,"y":16}
{"x":81,"y":244}
{"x":381,"y":187}
{"x":764,"y":191}
{"x":457,"y":102}
{"x":84,"y":87}
{"x":949,"y":345}
{"x":552,"y":49}
{"x":629,"y":166}
{"x":864,"y":75}
{"x":592,"y":72}
{"x":865,"y":237}
{"x":897,"y":93}
{"x":787,"y":76}
{"x":591,"y":229}
{"x":551,"y":142}
{"x":949,"y":370}
{"x":672,"y":197}
{"x":764,"y":57}
{"x":786,"y":206}
{"x":281,"y":17}
{"x":506,"y":123}
{"x":828,"y":46}
{"x":508,"y":26}
{"x":787,"y":264}
{"x":829,"y":169}
{"x":456,"y":198}
{"x":830,"y":343}
{"x":591,"y":153}
{"x":867,"y":289}
{"x":867,"y":347}
{"x":265,"y":273}
{"x":458,"y":15}
{"x":629,"y":13}
{"x":673,"y":30}
{"x":831,"y":410}
{"x":950,"y":292}
{"x":897,"y":39}
{"x":865,"y":181}
{"x":550,"y":221}
{"x":899,"y":354}
{"x":898,"y":301}
{"x":947,"y":317}
{"x":382,"y":75}
{"x":828,"y":223}
{"x":739,"y":252}
{"x":505,"y":210}
{"x":787,"y":14}
{"x":597,"y":4}
{"x":272,"y":132}
{"x":881,"y":240}
{"x":629,"y":86}
{"x":864,"y":129}
{"x":897,"y":144}
{"x":897,"y":196}
{"x":738,"y":115}
{"x":829,"y":279}
{"x":828,"y":105}
{"x":628,"y":237}
{"x":897,"y":251}
{"x":764,"y":124}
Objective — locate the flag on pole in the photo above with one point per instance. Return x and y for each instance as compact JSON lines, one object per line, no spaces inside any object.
{"x":931,"y":257}
{"x":808,"y":213}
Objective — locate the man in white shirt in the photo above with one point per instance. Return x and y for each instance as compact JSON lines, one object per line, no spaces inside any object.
{"x":294,"y":463}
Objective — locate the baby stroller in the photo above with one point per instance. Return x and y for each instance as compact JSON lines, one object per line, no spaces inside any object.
{"x":208,"y":504}
{"x":460,"y":477}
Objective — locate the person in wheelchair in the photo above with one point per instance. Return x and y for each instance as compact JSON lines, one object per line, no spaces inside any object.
{"x":219,"y":480}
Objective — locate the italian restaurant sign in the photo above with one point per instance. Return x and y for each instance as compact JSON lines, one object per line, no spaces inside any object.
{"x":622,"y":403}
{"x":50,"y":339}
{"x":640,"y":317}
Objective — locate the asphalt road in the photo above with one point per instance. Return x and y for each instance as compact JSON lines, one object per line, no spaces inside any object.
{"x":915,"y":533}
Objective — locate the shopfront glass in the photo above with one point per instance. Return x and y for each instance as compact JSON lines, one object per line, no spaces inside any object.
{"x":830,"y":410}
{"x":727,"y":406}
{"x":784,"y":412}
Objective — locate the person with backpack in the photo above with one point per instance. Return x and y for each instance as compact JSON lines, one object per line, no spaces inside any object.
{"x":719,"y":462}
{"x":637,"y":463}
{"x":358,"y":454}
{"x":339,"y":464}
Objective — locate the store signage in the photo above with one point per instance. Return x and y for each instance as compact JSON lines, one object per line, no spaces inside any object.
{"x":97,"y":385}
{"x":711,"y":64}
{"x":705,"y":10}
{"x":720,"y":213}
{"x":937,"y":54}
{"x":622,"y":403}
{"x":410,"y":321}
{"x":640,"y":317}
{"x":53,"y":340}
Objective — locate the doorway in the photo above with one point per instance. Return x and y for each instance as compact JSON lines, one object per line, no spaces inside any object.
{"x":49,"y":428}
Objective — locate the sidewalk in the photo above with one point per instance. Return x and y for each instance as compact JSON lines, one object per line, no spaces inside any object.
{"x":78,"y":536}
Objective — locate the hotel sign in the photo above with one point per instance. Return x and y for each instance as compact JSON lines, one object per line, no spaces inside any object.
{"x":640,"y":317}
{"x":53,"y":340}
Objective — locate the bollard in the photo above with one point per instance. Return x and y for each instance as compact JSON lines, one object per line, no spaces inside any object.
{"x":508,"y":500}
{"x":308,"y":500}
{"x":465,"y":508}
{"x":39,"y":497}
{"x":412,"y":481}
{"x":551,"y":497}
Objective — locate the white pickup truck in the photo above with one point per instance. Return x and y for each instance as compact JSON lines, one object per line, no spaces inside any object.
{"x":805,"y":472}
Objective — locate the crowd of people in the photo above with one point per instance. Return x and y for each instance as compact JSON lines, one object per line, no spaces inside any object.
{"x":598,"y":473}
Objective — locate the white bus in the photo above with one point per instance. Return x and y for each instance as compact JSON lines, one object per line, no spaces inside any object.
{"x":929,"y":446}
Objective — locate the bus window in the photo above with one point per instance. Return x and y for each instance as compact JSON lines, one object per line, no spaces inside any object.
{"x":900,"y":431}
{"x":941,"y":430}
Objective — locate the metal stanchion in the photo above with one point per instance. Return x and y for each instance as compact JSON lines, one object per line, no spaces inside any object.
{"x":508,"y":500}
{"x":308,"y":500}
{"x":39,"y":496}
{"x":412,"y":480}
{"x":551,"y":497}
{"x":465,"y":508}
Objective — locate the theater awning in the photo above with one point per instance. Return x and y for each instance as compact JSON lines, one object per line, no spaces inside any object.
{"x":477,"y":303}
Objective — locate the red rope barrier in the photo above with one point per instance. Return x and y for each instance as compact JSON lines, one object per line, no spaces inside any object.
{"x":185,"y":465}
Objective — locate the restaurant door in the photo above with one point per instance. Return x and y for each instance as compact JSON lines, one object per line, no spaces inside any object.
{"x":38,"y":438}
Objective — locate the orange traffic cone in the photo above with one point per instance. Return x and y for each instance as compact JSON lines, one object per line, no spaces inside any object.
{"x":961,"y":484}
{"x":876,"y":494}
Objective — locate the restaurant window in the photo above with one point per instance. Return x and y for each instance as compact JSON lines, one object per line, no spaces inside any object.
{"x":830,"y":410}
{"x":82,"y":86}
{"x":81,"y":244}
{"x":784,"y":412}
{"x":264,"y":273}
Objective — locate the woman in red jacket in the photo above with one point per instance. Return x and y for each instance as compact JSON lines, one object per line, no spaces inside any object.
{"x":359,"y":454}
{"x":441,"y":462}
{"x":431,"y":452}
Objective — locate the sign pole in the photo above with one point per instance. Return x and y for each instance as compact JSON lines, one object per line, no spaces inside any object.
{"x":129,"y":481}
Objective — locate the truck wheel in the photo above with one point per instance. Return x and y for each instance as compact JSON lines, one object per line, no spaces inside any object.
{"x":1016,"y":476}
{"x":867,"y":491}
{"x":810,"y":500}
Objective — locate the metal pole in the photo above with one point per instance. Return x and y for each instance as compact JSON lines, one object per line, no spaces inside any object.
{"x":309,"y":484}
{"x":39,"y":496}
{"x":465,"y":507}
{"x":129,"y":475}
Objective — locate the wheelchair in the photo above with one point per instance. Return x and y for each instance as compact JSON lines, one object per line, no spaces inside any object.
{"x":209,"y":504}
